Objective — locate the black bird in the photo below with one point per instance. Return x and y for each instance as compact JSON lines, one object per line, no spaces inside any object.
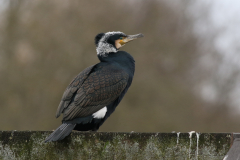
{"x":94,"y":93}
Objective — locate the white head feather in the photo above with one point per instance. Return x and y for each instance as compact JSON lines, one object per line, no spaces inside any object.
{"x":103,"y":47}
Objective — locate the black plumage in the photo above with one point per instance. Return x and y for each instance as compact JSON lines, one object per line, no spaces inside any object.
{"x":95,"y":93}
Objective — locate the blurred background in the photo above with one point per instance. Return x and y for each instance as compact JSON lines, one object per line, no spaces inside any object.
{"x":187,"y":65}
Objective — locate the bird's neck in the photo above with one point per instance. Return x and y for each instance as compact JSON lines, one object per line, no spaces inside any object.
{"x":124,"y":59}
{"x":103,"y":49}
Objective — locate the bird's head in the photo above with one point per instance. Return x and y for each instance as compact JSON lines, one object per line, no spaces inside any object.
{"x":112,"y":41}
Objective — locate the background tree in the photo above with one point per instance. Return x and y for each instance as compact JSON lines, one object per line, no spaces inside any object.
{"x":45,"y":43}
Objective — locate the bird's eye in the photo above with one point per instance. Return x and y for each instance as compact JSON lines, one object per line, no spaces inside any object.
{"x":121,"y":37}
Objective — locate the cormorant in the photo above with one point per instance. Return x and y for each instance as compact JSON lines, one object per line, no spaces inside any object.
{"x":94,"y":93}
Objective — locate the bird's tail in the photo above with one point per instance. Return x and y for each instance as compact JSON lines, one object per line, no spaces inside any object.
{"x":61,"y":132}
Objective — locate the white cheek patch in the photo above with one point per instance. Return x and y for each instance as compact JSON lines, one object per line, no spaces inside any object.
{"x":117,"y":44}
{"x":103,"y":47}
{"x":101,"y":113}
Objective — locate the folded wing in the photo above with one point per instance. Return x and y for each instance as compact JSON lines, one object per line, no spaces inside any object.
{"x":90,"y":92}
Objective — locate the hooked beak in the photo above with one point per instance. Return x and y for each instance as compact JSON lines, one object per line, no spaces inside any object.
{"x":132,"y":37}
{"x":119,"y":43}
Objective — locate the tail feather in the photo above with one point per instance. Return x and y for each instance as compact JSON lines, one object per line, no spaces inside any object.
{"x":61,"y":132}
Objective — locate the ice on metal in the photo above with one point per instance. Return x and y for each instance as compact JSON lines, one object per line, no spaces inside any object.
{"x":190,"y":134}
{"x":178,"y":137}
{"x":197,"y":134}
{"x":190,"y":137}
{"x":225,"y":158}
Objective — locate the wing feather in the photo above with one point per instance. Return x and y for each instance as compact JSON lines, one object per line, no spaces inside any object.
{"x":99,"y":89}
{"x":72,"y":89}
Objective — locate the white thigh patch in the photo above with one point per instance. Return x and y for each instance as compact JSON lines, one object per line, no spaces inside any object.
{"x":100,"y":114}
